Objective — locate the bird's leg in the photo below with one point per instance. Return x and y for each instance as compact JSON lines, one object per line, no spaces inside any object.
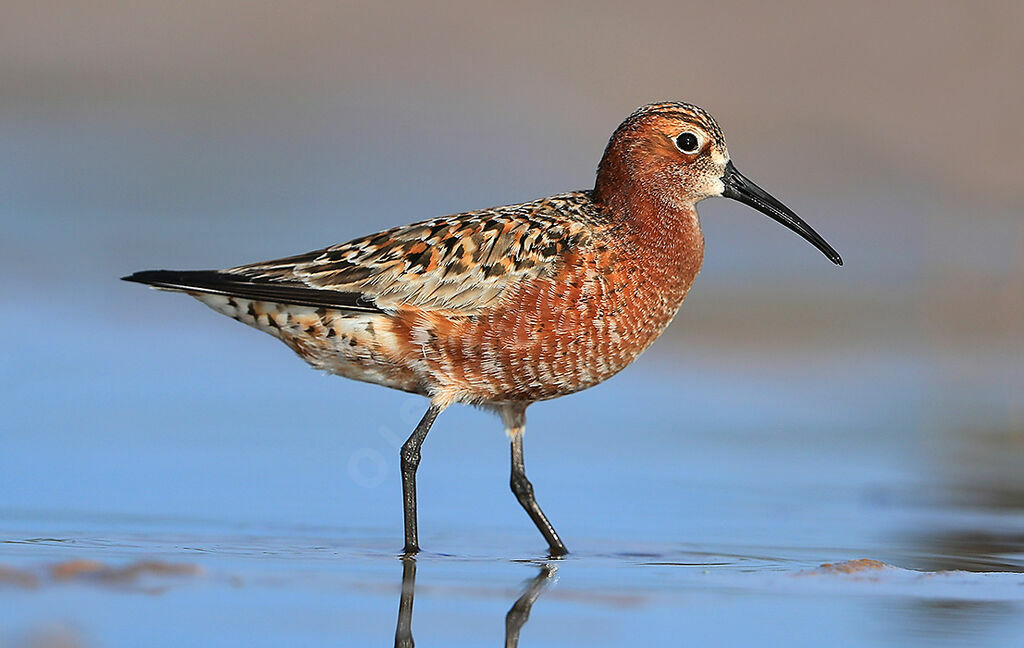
{"x":410,"y":462}
{"x":403,"y":630}
{"x":523,"y":490}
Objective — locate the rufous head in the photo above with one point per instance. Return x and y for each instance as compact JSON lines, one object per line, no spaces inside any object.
{"x":672,"y":155}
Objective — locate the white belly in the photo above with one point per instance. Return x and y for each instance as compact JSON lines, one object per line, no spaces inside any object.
{"x":355,"y":345}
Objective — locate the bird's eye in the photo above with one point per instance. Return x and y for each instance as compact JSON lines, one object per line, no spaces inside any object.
{"x":688,"y":142}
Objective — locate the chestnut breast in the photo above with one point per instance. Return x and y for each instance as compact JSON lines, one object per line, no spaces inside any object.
{"x":607,"y":302}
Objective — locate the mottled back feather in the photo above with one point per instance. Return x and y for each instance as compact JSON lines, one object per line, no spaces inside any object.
{"x":463,"y":262}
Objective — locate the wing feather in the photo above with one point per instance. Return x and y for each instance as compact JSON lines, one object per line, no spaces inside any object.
{"x":215,"y":282}
{"x":463,"y":262}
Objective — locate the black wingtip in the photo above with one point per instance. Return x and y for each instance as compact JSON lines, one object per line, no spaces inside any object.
{"x":143,"y":276}
{"x":215,"y":282}
{"x":173,"y":278}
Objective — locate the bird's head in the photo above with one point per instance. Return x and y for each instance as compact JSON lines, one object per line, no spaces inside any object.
{"x":673,"y":155}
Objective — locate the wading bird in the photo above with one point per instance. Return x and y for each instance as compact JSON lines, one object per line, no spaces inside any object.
{"x":504,"y":307}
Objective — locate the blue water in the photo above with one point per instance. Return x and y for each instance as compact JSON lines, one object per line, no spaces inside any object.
{"x":698,"y":491}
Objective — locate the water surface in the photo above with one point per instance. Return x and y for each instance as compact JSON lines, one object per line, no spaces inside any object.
{"x":225,"y":494}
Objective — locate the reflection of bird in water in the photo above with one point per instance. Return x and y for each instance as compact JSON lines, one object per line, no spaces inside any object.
{"x":517,"y":615}
{"x":403,"y":630}
{"x":507,"y":306}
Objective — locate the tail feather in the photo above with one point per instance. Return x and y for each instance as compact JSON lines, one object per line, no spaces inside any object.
{"x":216,"y":282}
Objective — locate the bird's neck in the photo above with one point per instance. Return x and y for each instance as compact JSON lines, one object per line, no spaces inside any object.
{"x":659,"y":253}
{"x":666,"y":240}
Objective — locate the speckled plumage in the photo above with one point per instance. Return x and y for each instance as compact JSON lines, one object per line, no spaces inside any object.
{"x":517,"y":303}
{"x":505,"y":306}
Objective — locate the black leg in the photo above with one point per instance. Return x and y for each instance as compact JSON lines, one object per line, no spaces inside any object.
{"x":520,"y":611}
{"x":410,"y":462}
{"x":403,"y":631}
{"x":523,"y":490}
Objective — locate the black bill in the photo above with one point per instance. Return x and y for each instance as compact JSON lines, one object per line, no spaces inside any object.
{"x":738,"y":187}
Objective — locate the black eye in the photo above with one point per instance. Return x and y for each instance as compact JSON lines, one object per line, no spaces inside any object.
{"x":687,"y":142}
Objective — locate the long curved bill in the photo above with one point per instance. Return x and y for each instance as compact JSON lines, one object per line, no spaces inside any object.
{"x":739,"y":187}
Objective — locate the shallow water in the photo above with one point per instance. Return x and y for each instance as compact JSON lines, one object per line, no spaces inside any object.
{"x":227,"y":495}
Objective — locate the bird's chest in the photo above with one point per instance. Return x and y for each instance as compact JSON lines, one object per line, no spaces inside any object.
{"x":625,"y":308}
{"x":564,"y":333}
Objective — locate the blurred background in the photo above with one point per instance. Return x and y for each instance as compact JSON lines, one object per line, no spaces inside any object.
{"x":204,"y":135}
